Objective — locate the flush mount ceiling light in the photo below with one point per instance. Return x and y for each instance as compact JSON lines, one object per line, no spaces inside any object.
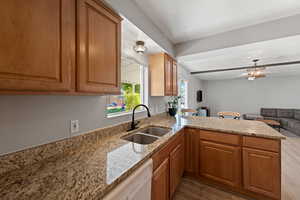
{"x":140,"y":47}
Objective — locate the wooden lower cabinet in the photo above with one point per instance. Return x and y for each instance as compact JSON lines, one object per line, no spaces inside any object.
{"x":221,"y":163}
{"x":160,"y":182}
{"x":176,"y":167}
{"x":191,"y":150}
{"x":262,"y":172}
{"x":168,"y":166}
{"x":244,"y":164}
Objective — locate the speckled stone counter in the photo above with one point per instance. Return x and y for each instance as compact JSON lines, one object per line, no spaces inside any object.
{"x":91,"y":165}
{"x":240,"y":127}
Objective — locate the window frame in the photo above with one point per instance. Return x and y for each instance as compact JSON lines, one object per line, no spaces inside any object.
{"x":143,"y":92}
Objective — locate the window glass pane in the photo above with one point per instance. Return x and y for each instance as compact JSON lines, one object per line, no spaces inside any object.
{"x":131,"y":88}
{"x":183,"y":93}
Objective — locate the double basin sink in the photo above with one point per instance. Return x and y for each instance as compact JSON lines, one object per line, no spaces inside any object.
{"x":147,"y":135}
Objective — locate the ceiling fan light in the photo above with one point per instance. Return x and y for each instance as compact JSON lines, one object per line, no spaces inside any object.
{"x":257,"y":73}
{"x":140,"y":47}
{"x":251,"y":78}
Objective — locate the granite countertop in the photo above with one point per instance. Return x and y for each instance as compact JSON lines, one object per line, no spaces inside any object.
{"x":95,"y":168}
{"x":240,"y":127}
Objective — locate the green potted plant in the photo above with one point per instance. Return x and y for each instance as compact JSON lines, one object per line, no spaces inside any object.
{"x":173,"y":105}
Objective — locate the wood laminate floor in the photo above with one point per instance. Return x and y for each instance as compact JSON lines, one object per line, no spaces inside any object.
{"x":192,"y":190}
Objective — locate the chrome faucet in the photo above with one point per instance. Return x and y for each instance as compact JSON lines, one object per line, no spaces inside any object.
{"x":133,"y":123}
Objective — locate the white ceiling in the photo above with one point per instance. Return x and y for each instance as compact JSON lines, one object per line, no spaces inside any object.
{"x":273,"y":51}
{"x":131,"y":34}
{"x":184,"y":20}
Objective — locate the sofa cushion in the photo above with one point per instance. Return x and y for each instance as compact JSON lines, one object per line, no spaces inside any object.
{"x":268,"y":112}
{"x":252,"y":116}
{"x":272,"y":118}
{"x":293,"y":123}
{"x":297,"y":114}
{"x":285,"y":113}
{"x":284,"y":122}
{"x":296,"y":128}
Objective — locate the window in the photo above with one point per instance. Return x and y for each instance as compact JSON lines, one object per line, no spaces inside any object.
{"x":183,"y":93}
{"x":132,"y":88}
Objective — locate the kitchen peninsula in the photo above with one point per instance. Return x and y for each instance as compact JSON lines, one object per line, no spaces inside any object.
{"x":239,"y":155}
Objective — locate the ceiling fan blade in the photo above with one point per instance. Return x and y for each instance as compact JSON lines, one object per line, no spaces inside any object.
{"x":244,"y":74}
{"x":260,"y":76}
{"x":248,"y":67}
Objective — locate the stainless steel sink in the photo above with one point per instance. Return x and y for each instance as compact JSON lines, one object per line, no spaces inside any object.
{"x":147,"y":135}
{"x":156,"y":131}
{"x":140,"y":138}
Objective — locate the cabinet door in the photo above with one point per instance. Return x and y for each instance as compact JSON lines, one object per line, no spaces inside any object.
{"x":174,"y":77}
{"x":220,"y":163}
{"x":98,"y":65}
{"x":37,"y":45}
{"x":191,"y":138}
{"x":262,"y":172}
{"x":160,"y":182}
{"x":168,"y":76}
{"x":176,"y":167}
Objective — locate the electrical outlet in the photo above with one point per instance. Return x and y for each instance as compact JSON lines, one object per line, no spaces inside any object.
{"x":74,"y":126}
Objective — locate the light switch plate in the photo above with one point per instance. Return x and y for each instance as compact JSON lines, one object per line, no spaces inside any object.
{"x":74,"y":126}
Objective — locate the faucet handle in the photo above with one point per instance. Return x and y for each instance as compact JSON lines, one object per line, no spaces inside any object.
{"x":133,"y":125}
{"x":136,"y":123}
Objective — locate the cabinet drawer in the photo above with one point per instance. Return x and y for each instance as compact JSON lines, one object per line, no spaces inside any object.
{"x":220,"y":137}
{"x":261,"y":143}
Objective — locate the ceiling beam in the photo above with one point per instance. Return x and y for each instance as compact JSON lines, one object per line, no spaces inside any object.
{"x":248,"y":67}
{"x":284,"y":27}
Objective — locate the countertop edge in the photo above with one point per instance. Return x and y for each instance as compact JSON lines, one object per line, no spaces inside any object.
{"x":236,"y":132}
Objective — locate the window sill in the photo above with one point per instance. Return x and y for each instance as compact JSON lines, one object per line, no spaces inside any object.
{"x":123,"y":114}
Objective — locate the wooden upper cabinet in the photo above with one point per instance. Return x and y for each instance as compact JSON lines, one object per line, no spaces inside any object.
{"x":37,"y":45}
{"x":163,"y":75}
{"x":176,"y":167}
{"x":168,"y":76}
{"x":99,"y":43}
{"x":221,"y":163}
{"x":160,"y":182}
{"x":262,"y":172}
{"x":174,"y":78}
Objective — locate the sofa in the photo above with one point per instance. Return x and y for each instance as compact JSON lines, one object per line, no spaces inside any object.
{"x":288,"y":118}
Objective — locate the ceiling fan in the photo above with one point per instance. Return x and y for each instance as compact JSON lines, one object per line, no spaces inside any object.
{"x":256,"y":72}
{"x":253,"y":72}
